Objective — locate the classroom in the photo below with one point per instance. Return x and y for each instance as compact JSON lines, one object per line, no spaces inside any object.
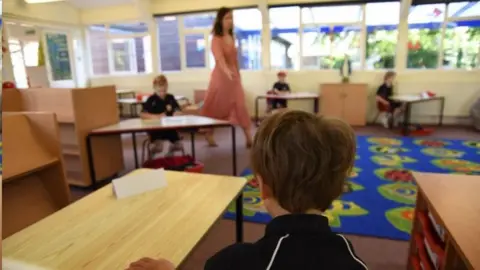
{"x":82,"y":152}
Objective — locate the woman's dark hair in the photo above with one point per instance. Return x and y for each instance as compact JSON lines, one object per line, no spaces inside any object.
{"x":218,"y":25}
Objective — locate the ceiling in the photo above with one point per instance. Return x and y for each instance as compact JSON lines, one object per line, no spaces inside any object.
{"x":86,"y":4}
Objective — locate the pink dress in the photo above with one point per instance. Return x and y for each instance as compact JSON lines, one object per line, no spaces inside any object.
{"x":225,"y":98}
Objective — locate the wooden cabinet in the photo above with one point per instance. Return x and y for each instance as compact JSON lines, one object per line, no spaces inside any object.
{"x":33,"y":182}
{"x":78,"y":111}
{"x":345,"y":101}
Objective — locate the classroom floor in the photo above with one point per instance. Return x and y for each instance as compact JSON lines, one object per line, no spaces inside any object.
{"x":378,"y":254}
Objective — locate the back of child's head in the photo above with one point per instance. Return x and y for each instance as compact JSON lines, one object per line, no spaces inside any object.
{"x":389,"y":75}
{"x":304,"y":159}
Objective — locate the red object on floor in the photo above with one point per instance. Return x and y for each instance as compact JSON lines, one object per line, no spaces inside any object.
{"x":175,"y":163}
{"x":8,"y":85}
{"x":419,"y":132}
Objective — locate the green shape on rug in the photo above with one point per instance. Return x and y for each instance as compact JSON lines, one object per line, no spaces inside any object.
{"x":392,"y":160}
{"x":401,"y":218}
{"x":340,"y":209}
{"x":384,"y":141}
{"x":442,"y":152}
{"x":472,"y":144}
{"x":354,"y":173}
{"x":458,"y":165}
{"x":405,"y":193}
{"x":384,"y":149}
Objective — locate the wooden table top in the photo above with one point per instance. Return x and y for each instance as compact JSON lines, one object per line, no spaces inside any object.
{"x":456,"y":201}
{"x":144,"y":98}
{"x":170,"y":122}
{"x":413,"y":98}
{"x":300,"y":95}
{"x":101,"y":232}
{"x":124,"y":91}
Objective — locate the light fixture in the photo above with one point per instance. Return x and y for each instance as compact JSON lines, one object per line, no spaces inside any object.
{"x":42,"y":1}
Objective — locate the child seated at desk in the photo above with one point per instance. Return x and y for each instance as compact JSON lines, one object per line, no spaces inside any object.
{"x":280,"y":87}
{"x":384,"y":92}
{"x":298,"y":181}
{"x":159,"y":105}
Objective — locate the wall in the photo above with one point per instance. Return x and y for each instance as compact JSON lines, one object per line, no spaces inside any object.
{"x":57,"y":12}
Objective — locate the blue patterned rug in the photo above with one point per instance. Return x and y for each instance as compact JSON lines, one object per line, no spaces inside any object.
{"x":382,"y":196}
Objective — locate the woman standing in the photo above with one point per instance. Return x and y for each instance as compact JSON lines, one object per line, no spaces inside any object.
{"x":225,"y":98}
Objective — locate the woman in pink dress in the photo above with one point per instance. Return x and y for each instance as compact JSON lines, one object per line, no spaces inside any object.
{"x":225,"y":98}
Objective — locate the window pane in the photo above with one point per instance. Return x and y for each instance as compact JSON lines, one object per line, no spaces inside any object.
{"x":285,"y":41}
{"x":382,"y":34}
{"x":97,"y":41}
{"x":143,"y":54}
{"x":346,"y":42}
{"x":347,"y":13}
{"x":195,"y":50}
{"x":30,"y":52}
{"x":121,"y":53}
{"x":248,"y":27}
{"x":128,"y":28}
{"x":317,"y":45}
{"x":463,"y":9}
{"x":424,"y":23}
{"x":169,"y":43}
{"x":461,"y":46}
{"x":202,"y":20}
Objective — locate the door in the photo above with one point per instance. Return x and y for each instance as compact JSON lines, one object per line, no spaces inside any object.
{"x":59,"y":58}
{"x":331,"y":100}
{"x":355,"y":104}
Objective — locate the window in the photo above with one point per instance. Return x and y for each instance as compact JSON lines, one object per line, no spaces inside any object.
{"x":18,"y":63}
{"x":195,"y":35}
{"x":461,"y":45}
{"x":120,"y":48}
{"x":285,"y":39}
{"x":169,"y":43}
{"x":382,"y":34}
{"x":30,"y":52}
{"x":424,"y":35}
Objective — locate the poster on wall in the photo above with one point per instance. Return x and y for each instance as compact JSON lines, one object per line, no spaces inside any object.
{"x":59,"y":59}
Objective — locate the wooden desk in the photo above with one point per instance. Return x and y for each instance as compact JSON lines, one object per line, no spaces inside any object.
{"x":409,"y":100}
{"x":101,"y":232}
{"x":290,"y":96}
{"x":454,"y":202}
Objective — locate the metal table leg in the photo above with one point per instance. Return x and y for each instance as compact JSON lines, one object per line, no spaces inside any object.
{"x":442,"y":107}
{"x":239,"y":200}
{"x":135,"y":154}
{"x":192,"y":143}
{"x":406,"y":119}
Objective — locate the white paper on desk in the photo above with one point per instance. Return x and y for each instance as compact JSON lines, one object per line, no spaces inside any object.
{"x":137,"y":183}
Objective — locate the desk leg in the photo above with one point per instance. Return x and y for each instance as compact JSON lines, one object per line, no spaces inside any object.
{"x":91,"y":165}
{"x":135,"y":154}
{"x":406,"y":119}
{"x":442,"y":107}
{"x":256,"y":112}
{"x":192,"y":143}
{"x":239,"y":200}
{"x":132,"y":110}
{"x":315,"y":105}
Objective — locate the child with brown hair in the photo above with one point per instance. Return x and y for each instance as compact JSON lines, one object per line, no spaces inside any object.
{"x":384,"y":92}
{"x":159,"y":105}
{"x":301,"y":162}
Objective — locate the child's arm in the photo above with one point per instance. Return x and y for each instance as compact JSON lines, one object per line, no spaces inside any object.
{"x":288,"y":88}
{"x":382,"y":100}
{"x":381,"y":94}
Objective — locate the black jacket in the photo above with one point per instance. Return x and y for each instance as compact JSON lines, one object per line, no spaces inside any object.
{"x":291,"y":242}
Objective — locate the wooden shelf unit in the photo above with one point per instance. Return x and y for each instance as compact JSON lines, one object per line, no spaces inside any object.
{"x":347,"y":101}
{"x":33,"y":181}
{"x":79,"y":111}
{"x":447,"y":213}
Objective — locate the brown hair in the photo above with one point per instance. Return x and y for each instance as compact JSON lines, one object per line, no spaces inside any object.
{"x":217,"y":25}
{"x":160,"y":80}
{"x":389,"y":75}
{"x":303,"y":158}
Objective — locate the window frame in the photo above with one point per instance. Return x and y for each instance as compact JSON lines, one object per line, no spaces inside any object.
{"x":132,"y":49}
